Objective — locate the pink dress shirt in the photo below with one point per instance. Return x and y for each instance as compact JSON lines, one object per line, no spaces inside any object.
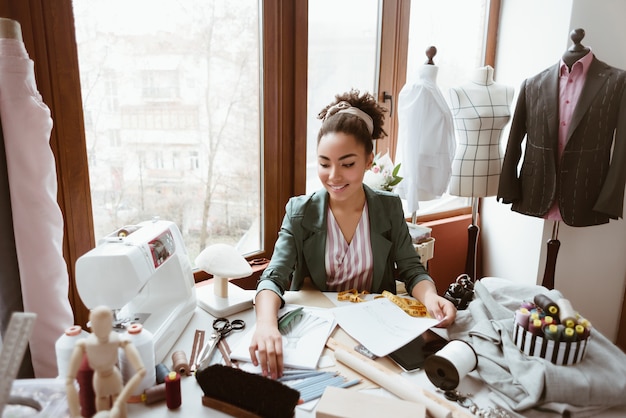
{"x":571,"y":83}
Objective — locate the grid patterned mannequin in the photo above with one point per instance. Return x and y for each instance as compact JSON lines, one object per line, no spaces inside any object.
{"x":481,"y":110}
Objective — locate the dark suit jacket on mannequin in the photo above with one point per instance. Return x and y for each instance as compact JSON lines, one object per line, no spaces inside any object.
{"x":588,"y":181}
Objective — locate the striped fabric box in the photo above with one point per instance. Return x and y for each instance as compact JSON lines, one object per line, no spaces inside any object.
{"x":559,"y":353}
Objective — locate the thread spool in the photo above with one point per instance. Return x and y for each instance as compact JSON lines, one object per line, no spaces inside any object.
{"x":173,"y":397}
{"x":86,"y":393}
{"x":527,"y":305}
{"x":551,"y":332}
{"x":567,"y":314}
{"x":547,"y":305}
{"x":64,"y":347}
{"x":180,"y":362}
{"x":154,"y":394}
{"x":143,"y":341}
{"x":581,"y":332}
{"x":584,"y":322}
{"x":522,"y":317}
{"x":535,"y":327}
{"x":448,"y":366}
{"x":569,"y":334}
{"x":161,"y":371}
{"x":548,"y":320}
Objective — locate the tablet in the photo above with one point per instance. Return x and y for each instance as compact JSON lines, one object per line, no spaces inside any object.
{"x":411,"y":356}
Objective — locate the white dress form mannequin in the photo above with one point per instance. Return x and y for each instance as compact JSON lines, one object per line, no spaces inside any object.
{"x":481,"y":109}
{"x":426,"y":140}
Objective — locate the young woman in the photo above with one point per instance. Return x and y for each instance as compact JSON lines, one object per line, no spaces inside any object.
{"x":344,"y":236}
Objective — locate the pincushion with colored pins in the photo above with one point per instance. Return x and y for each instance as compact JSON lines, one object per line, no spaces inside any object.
{"x":552,"y":330}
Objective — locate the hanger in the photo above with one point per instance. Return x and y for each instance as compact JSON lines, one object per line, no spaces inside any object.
{"x":577,"y":50}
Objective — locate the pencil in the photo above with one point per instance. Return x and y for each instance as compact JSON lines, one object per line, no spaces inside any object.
{"x":310,"y":395}
{"x":312,"y":380}
{"x":299,"y":375}
{"x":321,"y":386}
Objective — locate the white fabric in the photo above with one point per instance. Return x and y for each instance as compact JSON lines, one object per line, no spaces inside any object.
{"x":481,"y":110}
{"x":524,"y":382}
{"x":37,"y":218}
{"x":426,"y":141}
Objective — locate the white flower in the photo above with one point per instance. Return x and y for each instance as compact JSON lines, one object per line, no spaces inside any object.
{"x":375,"y":180}
{"x":382,"y":175}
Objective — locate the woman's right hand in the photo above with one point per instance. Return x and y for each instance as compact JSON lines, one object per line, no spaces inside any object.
{"x":266,"y":349}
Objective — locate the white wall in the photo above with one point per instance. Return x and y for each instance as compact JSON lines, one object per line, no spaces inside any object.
{"x":591,"y":263}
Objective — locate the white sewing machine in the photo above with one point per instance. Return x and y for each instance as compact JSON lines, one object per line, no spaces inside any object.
{"x":143,"y":273}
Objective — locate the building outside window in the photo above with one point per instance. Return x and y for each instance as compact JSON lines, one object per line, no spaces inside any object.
{"x":177,"y":85}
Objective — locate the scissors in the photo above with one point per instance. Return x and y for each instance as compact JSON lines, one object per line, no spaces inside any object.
{"x":222,"y":327}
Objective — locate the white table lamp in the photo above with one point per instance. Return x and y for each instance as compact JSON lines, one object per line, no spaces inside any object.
{"x":222,"y":298}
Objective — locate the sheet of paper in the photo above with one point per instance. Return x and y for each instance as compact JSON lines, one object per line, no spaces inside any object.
{"x":303,"y":343}
{"x":380,"y":325}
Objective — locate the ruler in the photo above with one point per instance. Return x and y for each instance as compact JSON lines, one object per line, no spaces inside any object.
{"x":14,"y":345}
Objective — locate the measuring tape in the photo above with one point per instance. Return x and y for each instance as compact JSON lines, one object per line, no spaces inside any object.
{"x":14,"y":345}
{"x":352,"y":295}
{"x":411,"y":306}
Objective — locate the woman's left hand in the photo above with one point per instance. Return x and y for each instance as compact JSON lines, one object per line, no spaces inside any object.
{"x":440,"y":308}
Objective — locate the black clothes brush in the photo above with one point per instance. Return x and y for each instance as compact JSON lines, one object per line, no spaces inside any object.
{"x":245,"y":394}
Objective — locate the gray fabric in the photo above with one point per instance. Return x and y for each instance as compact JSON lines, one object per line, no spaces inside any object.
{"x":11,"y":289}
{"x":527,"y":382}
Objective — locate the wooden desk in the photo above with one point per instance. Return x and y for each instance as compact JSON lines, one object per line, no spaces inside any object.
{"x":191,"y":392}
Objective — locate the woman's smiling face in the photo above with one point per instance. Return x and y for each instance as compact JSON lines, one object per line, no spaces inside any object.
{"x":341,"y":165}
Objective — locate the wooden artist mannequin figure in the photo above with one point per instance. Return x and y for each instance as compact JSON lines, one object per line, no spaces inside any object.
{"x":101,"y":348}
{"x":481,"y":109}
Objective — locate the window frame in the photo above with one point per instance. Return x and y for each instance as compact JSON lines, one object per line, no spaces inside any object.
{"x":393,"y":64}
{"x":49,"y":36}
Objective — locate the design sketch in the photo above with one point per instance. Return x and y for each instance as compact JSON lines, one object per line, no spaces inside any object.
{"x":302,"y":324}
{"x":305,"y":331}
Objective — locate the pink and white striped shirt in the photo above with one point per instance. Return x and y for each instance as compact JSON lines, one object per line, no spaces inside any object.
{"x":349,"y":266}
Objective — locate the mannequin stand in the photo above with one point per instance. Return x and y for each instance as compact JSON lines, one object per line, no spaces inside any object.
{"x":472,"y":242}
{"x":222,"y":298}
{"x":553,"y":250}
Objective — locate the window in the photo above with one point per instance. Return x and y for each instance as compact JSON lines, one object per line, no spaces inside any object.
{"x":350,"y":53}
{"x":458,"y":29}
{"x":282,"y":118}
{"x":177,"y":84}
{"x":342,"y":55}
{"x":159,"y":84}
